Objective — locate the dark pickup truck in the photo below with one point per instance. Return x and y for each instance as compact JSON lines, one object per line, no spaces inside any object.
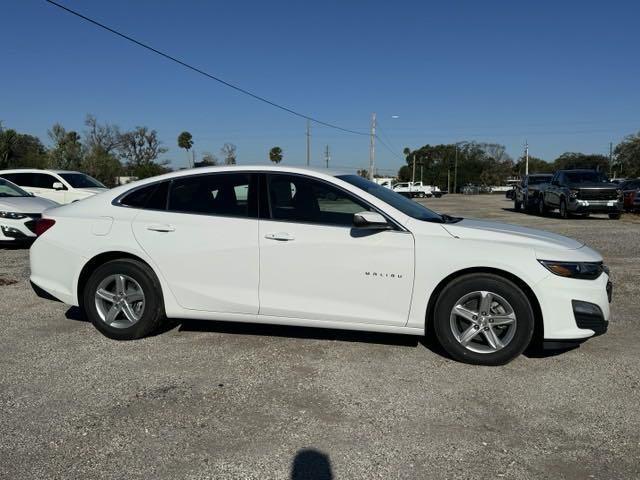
{"x":528,"y":193}
{"x":582,"y":192}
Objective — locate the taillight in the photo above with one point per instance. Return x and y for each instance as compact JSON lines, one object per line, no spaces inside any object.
{"x":44,"y":224}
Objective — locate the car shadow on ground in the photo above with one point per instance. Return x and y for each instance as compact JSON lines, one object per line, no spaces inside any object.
{"x":268,"y":330}
{"x":355,"y":336}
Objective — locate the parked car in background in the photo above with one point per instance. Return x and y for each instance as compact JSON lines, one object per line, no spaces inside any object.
{"x":511,"y":192}
{"x":416,"y":189}
{"x":61,"y":186}
{"x":19,"y":211}
{"x":582,"y":192}
{"x":631,"y":194}
{"x":332,"y":251}
{"x":528,"y":193}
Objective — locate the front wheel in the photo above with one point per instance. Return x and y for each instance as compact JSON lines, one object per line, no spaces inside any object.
{"x":483,"y":319}
{"x":123,"y":299}
{"x":517,"y":205}
{"x":542,"y":209}
{"x":564,"y":213}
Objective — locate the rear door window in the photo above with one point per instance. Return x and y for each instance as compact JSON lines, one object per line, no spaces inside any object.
{"x":223,"y":194}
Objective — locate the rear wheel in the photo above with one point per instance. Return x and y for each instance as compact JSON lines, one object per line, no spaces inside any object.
{"x":123,"y":299}
{"x":483,"y":319}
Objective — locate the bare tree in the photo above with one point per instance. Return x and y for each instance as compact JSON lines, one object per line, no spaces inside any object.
{"x":140,"y":147}
{"x":104,"y":138}
{"x":228,"y":151}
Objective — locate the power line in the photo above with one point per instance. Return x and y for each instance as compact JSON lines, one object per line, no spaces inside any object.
{"x":202,"y":72}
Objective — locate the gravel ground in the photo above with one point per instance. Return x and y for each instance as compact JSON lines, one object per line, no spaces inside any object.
{"x":217,"y":400}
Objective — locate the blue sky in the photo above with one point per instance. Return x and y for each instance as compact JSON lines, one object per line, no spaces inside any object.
{"x":563,"y":75}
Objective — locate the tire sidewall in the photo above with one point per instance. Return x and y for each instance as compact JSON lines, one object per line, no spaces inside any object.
{"x":496,"y":284}
{"x":154,"y":305}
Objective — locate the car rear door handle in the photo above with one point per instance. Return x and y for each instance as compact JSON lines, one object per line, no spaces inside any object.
{"x":280,"y":236}
{"x":161,"y":228}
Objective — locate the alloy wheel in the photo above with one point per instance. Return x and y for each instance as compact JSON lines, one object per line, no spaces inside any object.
{"x":483,"y":322}
{"x":120,"y":301}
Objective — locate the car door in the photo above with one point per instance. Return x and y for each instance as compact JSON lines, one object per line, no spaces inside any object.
{"x":552,"y":194}
{"x":43,"y":187}
{"x":205,"y":243}
{"x":315,"y":265}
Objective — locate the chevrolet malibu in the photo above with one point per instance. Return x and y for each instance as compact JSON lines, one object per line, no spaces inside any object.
{"x":292,"y":246}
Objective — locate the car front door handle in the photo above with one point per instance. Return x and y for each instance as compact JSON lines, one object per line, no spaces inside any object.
{"x":161,"y":228}
{"x":280,"y":236}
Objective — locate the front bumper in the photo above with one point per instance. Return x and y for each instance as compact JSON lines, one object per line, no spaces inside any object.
{"x":576,"y":205}
{"x":557,"y":296}
{"x":16,"y":231}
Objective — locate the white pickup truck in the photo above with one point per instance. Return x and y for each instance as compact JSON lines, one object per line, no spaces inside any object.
{"x":417,"y":189}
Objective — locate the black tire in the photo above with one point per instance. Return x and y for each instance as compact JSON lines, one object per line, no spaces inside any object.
{"x":517,"y":205}
{"x":615,"y":216}
{"x":542,"y":208}
{"x":483,"y":282}
{"x":153,"y":315}
{"x":564,"y":213}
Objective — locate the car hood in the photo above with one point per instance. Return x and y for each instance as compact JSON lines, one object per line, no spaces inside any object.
{"x":547,"y":245}
{"x":26,"y":204}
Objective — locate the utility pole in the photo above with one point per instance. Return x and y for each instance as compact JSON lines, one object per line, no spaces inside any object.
{"x":421,"y":177}
{"x":526,"y":156}
{"x":326,"y":155}
{"x":448,"y":179}
{"x":308,"y":142}
{"x":372,"y":146}
{"x":455,"y":172}
{"x":413,"y":175}
{"x":610,"y":158}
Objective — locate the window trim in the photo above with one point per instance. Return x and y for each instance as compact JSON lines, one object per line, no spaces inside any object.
{"x":250,"y":215}
{"x":397,"y":227}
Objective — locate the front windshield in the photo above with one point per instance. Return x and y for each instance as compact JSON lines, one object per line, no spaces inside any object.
{"x":539,"y":179}
{"x":80,"y":180}
{"x":586,"y":177}
{"x":397,"y":201}
{"x":8,"y":189}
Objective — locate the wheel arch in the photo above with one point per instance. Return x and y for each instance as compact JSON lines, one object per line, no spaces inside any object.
{"x":100,"y":259}
{"x":538,"y":333}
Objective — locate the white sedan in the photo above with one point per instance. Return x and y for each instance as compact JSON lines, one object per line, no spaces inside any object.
{"x":18,"y":213}
{"x":292,"y":246}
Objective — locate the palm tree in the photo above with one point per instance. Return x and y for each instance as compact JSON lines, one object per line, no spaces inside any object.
{"x":185,"y":140}
{"x":275,"y":155}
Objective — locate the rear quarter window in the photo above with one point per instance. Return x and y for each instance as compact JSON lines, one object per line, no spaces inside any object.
{"x":151,"y":197}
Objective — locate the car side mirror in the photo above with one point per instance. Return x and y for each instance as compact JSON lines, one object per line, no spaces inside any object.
{"x":371,"y":221}
{"x":58,"y":186}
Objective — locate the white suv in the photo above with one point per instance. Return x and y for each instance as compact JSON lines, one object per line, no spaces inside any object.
{"x":61,"y":186}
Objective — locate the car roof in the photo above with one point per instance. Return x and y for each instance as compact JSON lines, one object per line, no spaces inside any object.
{"x":36,"y":170}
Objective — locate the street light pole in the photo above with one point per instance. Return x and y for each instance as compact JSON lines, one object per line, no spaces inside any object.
{"x":455,"y":172}
{"x":372,"y":146}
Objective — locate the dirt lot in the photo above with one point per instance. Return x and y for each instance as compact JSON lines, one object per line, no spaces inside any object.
{"x":216,"y":400}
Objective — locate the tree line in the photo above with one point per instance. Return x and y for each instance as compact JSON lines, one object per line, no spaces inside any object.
{"x":490,"y":164}
{"x":105,"y":152}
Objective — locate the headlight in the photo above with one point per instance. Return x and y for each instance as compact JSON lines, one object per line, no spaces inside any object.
{"x":582,"y":270}
{"x":12,"y":215}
